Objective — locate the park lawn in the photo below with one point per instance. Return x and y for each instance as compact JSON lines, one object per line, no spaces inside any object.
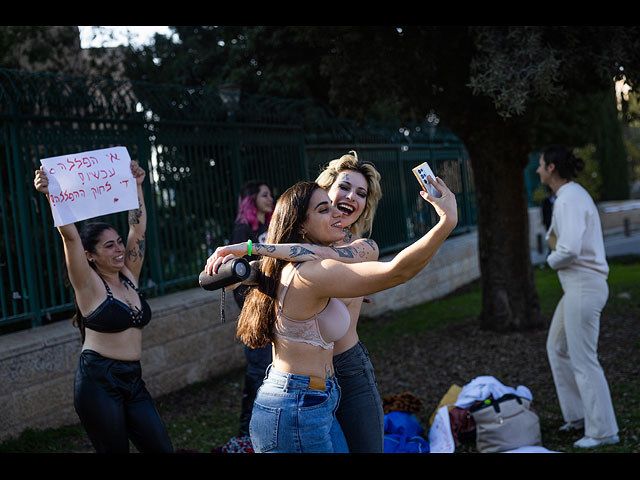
{"x":194,"y":425}
{"x":624,"y":293}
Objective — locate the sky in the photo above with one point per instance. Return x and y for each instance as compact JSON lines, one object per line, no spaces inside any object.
{"x":141,"y":35}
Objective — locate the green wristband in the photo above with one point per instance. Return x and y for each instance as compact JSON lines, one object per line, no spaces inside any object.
{"x":249,"y":247}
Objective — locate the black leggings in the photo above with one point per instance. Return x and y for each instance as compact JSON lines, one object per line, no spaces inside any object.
{"x":114,"y":406}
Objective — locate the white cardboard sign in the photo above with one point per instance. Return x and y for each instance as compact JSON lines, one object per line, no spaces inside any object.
{"x":90,"y":184}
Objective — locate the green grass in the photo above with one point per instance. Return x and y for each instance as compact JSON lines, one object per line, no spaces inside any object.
{"x":624,"y":279}
{"x":465,"y":303}
{"x":205,"y":415}
{"x":428,"y":316}
{"x":62,"y":439}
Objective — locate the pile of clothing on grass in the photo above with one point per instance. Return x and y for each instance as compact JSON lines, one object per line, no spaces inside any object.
{"x":240,"y":444}
{"x":497,"y":417}
{"x":403,"y":432}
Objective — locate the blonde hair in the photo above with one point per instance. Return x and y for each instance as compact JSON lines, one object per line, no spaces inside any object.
{"x":350,"y":161}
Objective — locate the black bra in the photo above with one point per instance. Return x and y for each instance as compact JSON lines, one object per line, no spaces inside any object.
{"x":114,"y":316}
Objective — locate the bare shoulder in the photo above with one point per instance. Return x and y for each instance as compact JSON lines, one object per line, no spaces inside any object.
{"x":366,"y":249}
{"x":90,"y":291}
{"x":130,"y":275}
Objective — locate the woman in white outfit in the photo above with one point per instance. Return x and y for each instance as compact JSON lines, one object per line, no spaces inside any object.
{"x":577,"y":254}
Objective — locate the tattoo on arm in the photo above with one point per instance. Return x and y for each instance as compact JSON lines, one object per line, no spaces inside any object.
{"x":299,"y":250}
{"x":142,"y":245}
{"x":362,"y":249}
{"x":257,"y":247}
{"x":370,"y":242}
{"x":134,"y":254}
{"x":344,"y":252}
{"x":134,"y":215}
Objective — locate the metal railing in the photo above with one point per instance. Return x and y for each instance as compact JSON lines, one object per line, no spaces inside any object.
{"x":197,"y":151}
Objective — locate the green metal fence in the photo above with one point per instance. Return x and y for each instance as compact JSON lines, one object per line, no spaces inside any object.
{"x":198,"y":148}
{"x":402,"y":215}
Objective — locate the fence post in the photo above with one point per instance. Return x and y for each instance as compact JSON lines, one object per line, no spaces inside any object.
{"x":403,"y":191}
{"x":156,"y":270}
{"x":25,"y":246}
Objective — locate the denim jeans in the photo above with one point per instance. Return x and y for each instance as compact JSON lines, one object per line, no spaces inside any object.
{"x":290,"y":417}
{"x":360,"y":411}
{"x":258,"y":359}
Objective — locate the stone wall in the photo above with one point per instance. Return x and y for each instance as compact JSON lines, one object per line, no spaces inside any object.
{"x":455,"y":264}
{"x":617,"y":216}
{"x":184,"y":343}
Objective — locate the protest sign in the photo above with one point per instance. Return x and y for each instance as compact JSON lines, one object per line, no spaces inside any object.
{"x":90,"y":184}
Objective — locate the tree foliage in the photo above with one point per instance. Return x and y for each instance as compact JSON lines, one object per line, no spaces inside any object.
{"x":25,"y":47}
{"x":504,"y":90}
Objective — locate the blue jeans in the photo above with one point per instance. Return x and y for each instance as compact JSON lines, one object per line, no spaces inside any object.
{"x":258,"y":359}
{"x":360,"y":411}
{"x":290,"y":417}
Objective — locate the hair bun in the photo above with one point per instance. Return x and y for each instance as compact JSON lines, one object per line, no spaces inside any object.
{"x":576,"y":162}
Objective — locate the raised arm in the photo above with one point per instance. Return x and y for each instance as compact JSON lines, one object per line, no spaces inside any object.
{"x":330,"y":278}
{"x":136,"y":240}
{"x":76,"y":260}
{"x":361,"y":250}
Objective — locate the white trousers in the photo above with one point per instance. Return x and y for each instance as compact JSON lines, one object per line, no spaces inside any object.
{"x":572,"y":348}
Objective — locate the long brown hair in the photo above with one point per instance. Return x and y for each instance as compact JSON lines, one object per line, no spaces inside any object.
{"x":255,"y":324}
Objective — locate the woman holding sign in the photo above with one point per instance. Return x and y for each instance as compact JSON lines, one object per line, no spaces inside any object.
{"x":110,"y":396}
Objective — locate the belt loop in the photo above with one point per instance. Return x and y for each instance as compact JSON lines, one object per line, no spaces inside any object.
{"x":286,"y":383}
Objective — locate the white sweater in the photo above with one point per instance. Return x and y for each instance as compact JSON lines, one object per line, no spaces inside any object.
{"x":575,"y":234}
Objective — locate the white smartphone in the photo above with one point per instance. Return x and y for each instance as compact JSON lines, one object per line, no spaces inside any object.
{"x":423,"y":171}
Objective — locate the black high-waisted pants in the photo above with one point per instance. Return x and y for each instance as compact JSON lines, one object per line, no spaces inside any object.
{"x":114,"y":406}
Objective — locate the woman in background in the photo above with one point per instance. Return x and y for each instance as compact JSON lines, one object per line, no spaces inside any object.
{"x":255,"y":206}
{"x":577,"y":254}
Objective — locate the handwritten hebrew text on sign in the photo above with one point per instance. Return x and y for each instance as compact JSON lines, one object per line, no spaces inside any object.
{"x":90,"y":184}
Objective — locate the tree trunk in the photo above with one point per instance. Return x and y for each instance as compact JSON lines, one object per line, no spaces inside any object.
{"x":509,"y":297}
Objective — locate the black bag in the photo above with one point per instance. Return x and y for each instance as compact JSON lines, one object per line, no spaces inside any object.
{"x":505,"y":424}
